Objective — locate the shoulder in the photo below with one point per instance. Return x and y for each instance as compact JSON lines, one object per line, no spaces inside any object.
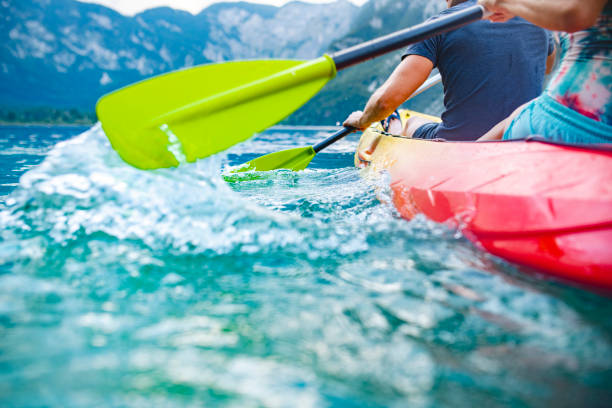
{"x":446,"y":12}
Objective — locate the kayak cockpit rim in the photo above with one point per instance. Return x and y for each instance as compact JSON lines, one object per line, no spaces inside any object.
{"x":599,"y":147}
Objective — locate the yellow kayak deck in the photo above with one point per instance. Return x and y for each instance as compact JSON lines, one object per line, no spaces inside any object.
{"x":375,"y":144}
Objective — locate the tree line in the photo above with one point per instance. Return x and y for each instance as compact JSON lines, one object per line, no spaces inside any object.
{"x":46,"y":115}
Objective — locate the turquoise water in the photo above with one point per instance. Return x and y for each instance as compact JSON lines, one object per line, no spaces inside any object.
{"x":171,"y":288}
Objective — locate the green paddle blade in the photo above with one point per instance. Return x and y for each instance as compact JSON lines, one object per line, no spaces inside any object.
{"x":293,"y":159}
{"x":194,"y":113}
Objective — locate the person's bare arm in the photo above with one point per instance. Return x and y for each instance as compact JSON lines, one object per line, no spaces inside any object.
{"x":558,"y":15}
{"x":402,"y":83}
{"x":497,"y":131}
{"x":550,"y":61}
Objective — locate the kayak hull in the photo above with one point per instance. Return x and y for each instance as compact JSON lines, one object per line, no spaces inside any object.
{"x":543,"y":205}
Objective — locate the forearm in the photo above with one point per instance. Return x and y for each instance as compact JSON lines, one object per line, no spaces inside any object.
{"x":404,"y":80}
{"x":496,"y":133}
{"x":380,"y":105}
{"x":558,"y":15}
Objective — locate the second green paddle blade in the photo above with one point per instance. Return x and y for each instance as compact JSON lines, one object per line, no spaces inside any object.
{"x":293,"y":159}
{"x":194,"y":113}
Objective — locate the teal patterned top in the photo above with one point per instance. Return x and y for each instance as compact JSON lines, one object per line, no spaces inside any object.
{"x":583,"y":81}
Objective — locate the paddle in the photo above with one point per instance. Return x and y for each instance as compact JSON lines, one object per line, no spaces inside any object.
{"x":298,"y":159}
{"x":193,"y":113}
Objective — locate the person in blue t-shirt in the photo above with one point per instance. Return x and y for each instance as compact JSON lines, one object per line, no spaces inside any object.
{"x":487,"y":72}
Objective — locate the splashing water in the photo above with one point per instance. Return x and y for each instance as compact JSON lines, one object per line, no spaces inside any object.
{"x":121,"y":287}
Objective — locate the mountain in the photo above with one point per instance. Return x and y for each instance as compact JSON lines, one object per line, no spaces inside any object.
{"x":65,"y":53}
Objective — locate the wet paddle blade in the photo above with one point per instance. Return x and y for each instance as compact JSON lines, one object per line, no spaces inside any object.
{"x":194,"y":113}
{"x":298,"y":159}
{"x":293,"y":159}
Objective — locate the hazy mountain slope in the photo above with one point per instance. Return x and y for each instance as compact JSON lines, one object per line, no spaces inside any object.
{"x":65,"y":53}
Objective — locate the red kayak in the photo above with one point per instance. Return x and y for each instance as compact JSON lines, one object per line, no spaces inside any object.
{"x":535,"y":203}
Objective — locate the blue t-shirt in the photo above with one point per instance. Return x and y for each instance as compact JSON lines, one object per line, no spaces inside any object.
{"x":488,"y":70}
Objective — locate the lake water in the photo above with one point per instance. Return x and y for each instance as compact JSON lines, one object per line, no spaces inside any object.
{"x":173,"y":288}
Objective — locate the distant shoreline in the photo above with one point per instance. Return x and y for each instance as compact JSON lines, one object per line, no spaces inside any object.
{"x":45,"y":116}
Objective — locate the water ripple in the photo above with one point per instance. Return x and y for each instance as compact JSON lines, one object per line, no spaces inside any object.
{"x":121,"y":287}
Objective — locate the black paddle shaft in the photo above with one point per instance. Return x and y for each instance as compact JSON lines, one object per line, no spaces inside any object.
{"x":333,"y":138}
{"x":402,"y":38}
